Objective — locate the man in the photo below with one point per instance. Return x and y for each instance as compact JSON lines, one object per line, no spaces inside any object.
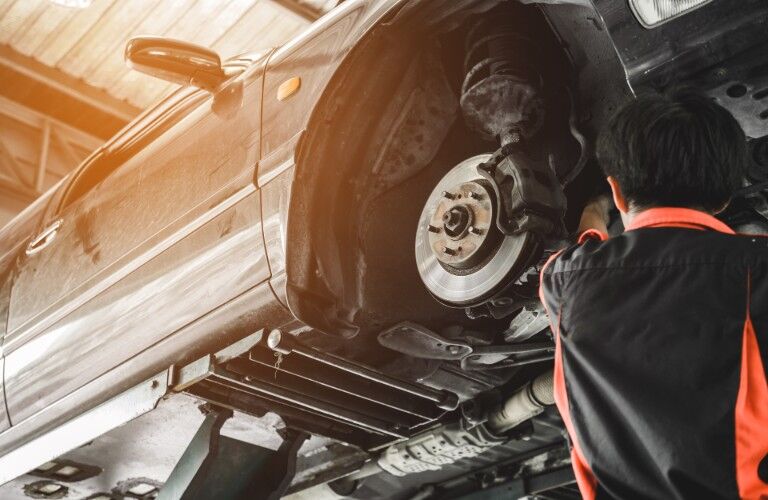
{"x":662,"y":331}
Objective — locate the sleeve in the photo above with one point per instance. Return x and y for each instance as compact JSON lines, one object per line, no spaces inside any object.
{"x":551,"y":293}
{"x":549,"y":288}
{"x":550,"y":284}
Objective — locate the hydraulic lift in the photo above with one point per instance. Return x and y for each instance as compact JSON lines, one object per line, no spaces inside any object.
{"x":216,"y":466}
{"x":317,"y":392}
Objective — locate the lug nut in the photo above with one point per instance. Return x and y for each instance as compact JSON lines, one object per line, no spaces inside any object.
{"x":433,"y":229}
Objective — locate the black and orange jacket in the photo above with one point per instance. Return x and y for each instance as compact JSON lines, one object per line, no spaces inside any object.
{"x":662,"y":348}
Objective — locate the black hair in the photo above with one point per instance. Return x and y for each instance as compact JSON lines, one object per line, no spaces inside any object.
{"x":678,"y":148}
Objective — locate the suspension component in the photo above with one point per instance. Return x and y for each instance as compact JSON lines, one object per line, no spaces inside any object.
{"x":492,"y":216}
{"x":501,"y":97}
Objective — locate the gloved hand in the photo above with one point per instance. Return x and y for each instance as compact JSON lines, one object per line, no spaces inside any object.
{"x":596,"y":214}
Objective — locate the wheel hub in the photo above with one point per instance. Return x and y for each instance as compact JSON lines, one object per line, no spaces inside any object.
{"x":461,"y":228}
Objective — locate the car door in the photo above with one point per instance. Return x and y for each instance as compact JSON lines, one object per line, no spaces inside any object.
{"x":13,"y":239}
{"x":6,"y":266}
{"x":164,"y":227}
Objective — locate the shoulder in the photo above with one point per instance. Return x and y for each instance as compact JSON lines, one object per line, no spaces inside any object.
{"x":655,"y":247}
{"x":588,"y":252}
{"x":588,"y":238}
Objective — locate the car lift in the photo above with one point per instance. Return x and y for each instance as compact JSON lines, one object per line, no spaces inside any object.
{"x":215,"y":466}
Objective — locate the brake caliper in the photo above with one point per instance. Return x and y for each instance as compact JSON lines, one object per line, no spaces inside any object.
{"x":530,"y":198}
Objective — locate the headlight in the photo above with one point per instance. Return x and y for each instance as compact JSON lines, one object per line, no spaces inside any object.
{"x":652,"y":13}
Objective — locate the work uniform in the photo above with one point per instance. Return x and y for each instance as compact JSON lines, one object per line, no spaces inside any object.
{"x":662,"y":349}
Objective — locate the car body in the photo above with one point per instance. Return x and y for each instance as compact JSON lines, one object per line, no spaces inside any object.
{"x":210,"y":218}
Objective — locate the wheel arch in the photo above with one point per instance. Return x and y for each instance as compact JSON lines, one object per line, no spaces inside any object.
{"x":322,"y":258}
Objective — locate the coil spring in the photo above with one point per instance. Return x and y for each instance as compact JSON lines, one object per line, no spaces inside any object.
{"x":496,"y":47}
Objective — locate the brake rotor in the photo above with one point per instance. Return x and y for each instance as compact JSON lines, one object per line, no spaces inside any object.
{"x":462,"y":257}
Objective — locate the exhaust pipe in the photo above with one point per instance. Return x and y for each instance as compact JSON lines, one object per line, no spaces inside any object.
{"x":524,"y":404}
{"x":435,"y":448}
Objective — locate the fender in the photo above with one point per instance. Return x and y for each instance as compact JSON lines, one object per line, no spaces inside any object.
{"x":321,"y":288}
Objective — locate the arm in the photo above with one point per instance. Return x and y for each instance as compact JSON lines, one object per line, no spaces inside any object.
{"x":594,"y":219}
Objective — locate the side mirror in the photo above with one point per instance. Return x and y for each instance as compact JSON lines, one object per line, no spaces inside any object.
{"x":175,"y":61}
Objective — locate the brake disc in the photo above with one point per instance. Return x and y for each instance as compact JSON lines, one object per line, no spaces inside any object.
{"x":462,"y":257}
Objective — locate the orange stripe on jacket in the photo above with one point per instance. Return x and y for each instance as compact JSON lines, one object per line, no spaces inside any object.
{"x":585,"y":478}
{"x":751,"y":416}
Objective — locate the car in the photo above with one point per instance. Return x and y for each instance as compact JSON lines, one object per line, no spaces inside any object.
{"x":347,"y":232}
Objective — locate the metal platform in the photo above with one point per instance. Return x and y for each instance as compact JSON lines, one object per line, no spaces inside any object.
{"x":319,"y":393}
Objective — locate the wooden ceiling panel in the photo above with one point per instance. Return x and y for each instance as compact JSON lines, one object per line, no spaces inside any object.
{"x":101,"y":43}
{"x":78,"y":24}
{"x":19,"y":13}
{"x":45,"y":27}
{"x":108,"y":67}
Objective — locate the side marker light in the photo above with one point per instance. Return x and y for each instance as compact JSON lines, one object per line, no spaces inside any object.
{"x":288,"y":88}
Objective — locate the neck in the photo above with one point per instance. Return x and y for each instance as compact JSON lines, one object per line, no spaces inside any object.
{"x":635,"y":210}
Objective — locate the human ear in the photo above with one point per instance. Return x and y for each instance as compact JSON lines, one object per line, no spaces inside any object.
{"x":618,"y":196}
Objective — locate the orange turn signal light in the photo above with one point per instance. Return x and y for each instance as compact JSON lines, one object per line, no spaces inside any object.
{"x":288,"y":88}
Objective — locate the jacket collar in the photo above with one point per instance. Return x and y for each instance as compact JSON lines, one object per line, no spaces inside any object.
{"x":677,"y":217}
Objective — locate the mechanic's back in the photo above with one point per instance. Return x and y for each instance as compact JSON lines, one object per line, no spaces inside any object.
{"x":663,"y":330}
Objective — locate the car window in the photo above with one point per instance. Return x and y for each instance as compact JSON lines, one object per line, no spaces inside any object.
{"x":129,"y":141}
{"x":144,"y":129}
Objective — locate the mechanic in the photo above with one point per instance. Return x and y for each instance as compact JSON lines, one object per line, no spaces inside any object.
{"x":662,"y":331}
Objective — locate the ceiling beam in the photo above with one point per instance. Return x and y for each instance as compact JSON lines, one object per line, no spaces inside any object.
{"x":66,"y":84}
{"x":36,"y":119}
{"x":11,"y":162}
{"x":66,"y":148}
{"x":17,"y":192}
{"x":36,"y":150}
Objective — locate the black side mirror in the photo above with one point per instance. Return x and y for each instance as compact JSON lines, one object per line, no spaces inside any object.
{"x":175,"y":61}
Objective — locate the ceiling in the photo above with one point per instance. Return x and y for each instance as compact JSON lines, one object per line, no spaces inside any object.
{"x":87,"y":43}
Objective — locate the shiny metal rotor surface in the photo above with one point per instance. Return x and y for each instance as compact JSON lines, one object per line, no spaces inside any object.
{"x":453,"y":285}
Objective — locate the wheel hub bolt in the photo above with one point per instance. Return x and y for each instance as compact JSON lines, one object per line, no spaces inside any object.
{"x":475,"y":231}
{"x":433,"y":229}
{"x":449,"y":251}
{"x":448,"y":195}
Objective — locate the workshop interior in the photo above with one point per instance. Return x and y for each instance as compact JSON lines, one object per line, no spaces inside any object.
{"x":292,"y":248}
